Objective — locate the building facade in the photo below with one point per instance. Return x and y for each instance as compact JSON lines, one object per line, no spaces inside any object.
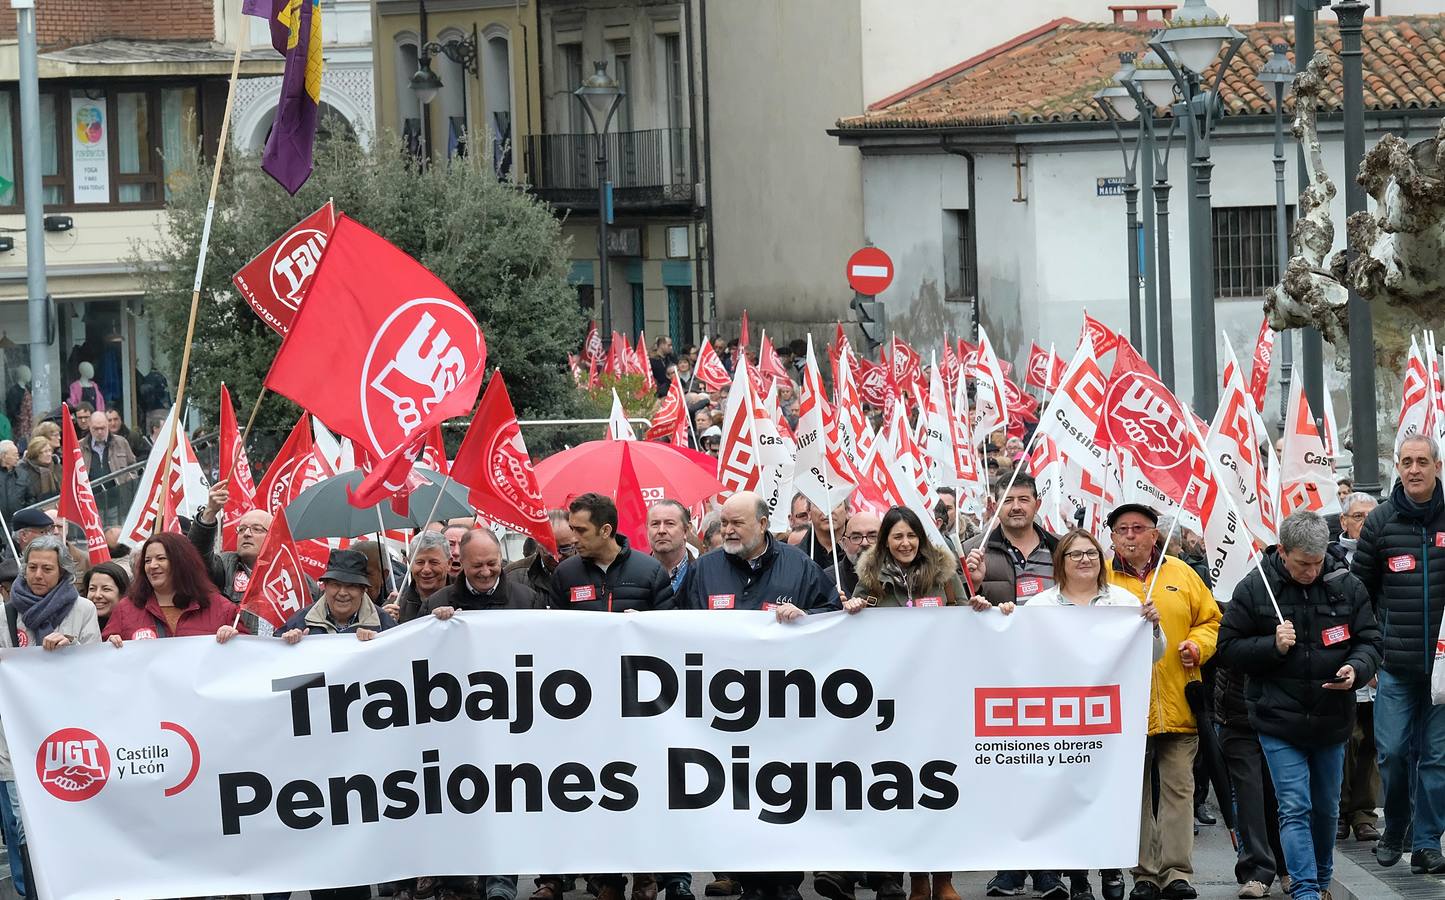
{"x":997,"y":188}
{"x":128,"y":94}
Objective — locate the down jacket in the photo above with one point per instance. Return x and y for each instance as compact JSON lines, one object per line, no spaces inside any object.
{"x":1334,"y":626}
{"x":634,"y":581}
{"x":1400,"y":558}
{"x":785,"y":574}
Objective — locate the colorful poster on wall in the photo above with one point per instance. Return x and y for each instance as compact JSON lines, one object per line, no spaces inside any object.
{"x":89,"y":149}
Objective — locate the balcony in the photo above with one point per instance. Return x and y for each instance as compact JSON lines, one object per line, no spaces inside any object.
{"x":650,"y":170}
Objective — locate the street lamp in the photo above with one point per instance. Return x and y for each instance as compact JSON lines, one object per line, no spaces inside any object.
{"x":425,"y":83}
{"x":1363,"y":427}
{"x":1279,"y":71}
{"x":1151,"y":86}
{"x":1187,"y":46}
{"x":600,"y":96}
{"x":1118,"y":106}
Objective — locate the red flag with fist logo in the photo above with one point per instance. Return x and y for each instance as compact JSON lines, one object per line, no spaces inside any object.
{"x":382,"y":347}
{"x":1144,"y":417}
{"x":278,"y":588}
{"x":276,"y":281}
{"x":77,"y":503}
{"x":494,"y":464}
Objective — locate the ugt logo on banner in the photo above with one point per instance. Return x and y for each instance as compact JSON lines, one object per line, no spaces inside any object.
{"x":73,"y":764}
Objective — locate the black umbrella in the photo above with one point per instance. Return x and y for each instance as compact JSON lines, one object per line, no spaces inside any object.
{"x":322,"y":510}
{"x":1209,"y":749}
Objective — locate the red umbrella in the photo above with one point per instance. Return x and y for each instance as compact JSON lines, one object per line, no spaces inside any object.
{"x":662,"y":471}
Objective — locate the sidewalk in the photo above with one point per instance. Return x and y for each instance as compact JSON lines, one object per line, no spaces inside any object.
{"x":1359,"y":877}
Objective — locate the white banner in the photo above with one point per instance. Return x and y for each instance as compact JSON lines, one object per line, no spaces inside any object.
{"x":522,"y":742}
{"x":90,"y":149}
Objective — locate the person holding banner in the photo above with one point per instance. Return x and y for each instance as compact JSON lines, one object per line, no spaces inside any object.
{"x":430,"y":564}
{"x":1400,"y":557}
{"x":105,"y":585}
{"x":1302,"y":628}
{"x":482,"y":585}
{"x":1190,"y":619}
{"x":44,"y":610}
{"x":345,"y":606}
{"x":859,"y":534}
{"x":1015,"y":560}
{"x":903,"y":569}
{"x":172,"y":597}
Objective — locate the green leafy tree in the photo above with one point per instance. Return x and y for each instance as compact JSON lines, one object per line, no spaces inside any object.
{"x":498,"y":247}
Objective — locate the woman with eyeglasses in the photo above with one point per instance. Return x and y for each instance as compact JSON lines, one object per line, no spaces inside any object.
{"x":904,"y":569}
{"x":1081,"y":579}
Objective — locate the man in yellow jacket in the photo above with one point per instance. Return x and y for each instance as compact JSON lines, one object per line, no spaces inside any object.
{"x":1190,"y":619}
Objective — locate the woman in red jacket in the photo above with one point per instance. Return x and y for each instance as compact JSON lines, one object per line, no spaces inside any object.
{"x":172,"y":597}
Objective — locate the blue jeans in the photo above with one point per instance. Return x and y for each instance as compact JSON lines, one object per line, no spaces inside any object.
{"x":1307,"y":786}
{"x":14,"y":830}
{"x":1410,"y":741}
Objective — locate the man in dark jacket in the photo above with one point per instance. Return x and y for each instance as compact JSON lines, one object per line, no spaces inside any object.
{"x":1018,"y":560}
{"x":1304,"y":633}
{"x":344,"y":607}
{"x":859,"y":534}
{"x":14,"y":486}
{"x":1400,"y":557}
{"x":606,"y":575}
{"x":754,"y":570}
{"x":536,"y":568}
{"x":483,"y":584}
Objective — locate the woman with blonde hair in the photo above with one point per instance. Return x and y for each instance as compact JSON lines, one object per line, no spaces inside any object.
{"x":38,"y":466}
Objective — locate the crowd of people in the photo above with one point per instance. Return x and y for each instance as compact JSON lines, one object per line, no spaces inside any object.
{"x":1317,"y":667}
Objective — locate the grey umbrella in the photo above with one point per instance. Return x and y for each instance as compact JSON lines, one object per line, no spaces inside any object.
{"x":322,"y":510}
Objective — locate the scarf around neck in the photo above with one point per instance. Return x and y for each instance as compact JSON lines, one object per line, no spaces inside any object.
{"x":42,"y":615}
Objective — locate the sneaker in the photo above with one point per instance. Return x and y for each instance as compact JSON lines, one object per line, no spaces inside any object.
{"x":1388,"y":851}
{"x":1048,"y":886}
{"x":833,"y":886}
{"x":1202,"y":815}
{"x":1144,"y":890}
{"x":1112,"y":884}
{"x":1427,"y":862}
{"x":722,"y":886}
{"x":1254,"y":890}
{"x":1005,"y":884}
{"x":1179,"y":889}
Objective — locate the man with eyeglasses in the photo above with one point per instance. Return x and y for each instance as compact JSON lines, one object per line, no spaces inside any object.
{"x":1401,"y":559}
{"x":1190,"y":619}
{"x":859,"y":534}
{"x":229,"y":569}
{"x":536,"y":568}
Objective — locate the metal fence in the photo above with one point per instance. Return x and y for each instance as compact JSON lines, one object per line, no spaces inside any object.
{"x":656,"y":158}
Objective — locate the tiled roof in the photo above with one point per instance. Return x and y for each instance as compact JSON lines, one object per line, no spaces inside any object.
{"x":1053,"y":76}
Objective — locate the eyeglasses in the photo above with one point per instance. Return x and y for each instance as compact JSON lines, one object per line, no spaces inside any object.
{"x":1082,"y":555}
{"x":862,"y":537}
{"x":252,"y":529}
{"x":566,"y":550}
{"x":1126,"y":530}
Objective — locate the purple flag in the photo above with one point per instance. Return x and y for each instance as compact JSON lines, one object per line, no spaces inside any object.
{"x":270,"y":10}
{"x":293,"y":134}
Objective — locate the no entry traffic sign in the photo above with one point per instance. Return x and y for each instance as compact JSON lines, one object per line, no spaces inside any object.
{"x":870,"y":271}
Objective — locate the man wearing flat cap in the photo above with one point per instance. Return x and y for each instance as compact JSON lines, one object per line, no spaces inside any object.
{"x":29,"y":524}
{"x":1190,"y":619}
{"x":345,"y":606}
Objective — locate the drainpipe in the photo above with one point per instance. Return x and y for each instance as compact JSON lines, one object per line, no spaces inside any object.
{"x":707,"y":165}
{"x":972,"y":237}
{"x":687,"y":15}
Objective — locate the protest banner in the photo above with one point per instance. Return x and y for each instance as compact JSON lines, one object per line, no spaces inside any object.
{"x":541,"y":741}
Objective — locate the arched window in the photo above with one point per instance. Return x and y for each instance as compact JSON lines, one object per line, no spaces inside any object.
{"x":496,"y":69}
{"x":453,"y":97}
{"x":408,"y":106}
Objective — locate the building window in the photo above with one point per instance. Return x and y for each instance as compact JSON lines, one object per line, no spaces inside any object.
{"x":51,"y":178}
{"x":138,"y":176}
{"x":7,"y":150}
{"x":180,"y":131}
{"x":570,"y":56}
{"x":586,"y":299}
{"x":1244,"y":250}
{"x":622,"y":71}
{"x":679,"y":315}
{"x":1274,"y":10}
{"x":408,"y":105}
{"x":673,"y":85}
{"x":960,"y":277}
{"x":639,"y":311}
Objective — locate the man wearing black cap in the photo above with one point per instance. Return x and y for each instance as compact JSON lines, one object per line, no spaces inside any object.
{"x":345,"y":606}
{"x":1190,"y":619}
{"x":29,"y":524}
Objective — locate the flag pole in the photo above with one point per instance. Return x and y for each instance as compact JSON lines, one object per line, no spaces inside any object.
{"x":382,"y":555}
{"x":200,"y":270}
{"x":9,"y":538}
{"x":1253,"y":552}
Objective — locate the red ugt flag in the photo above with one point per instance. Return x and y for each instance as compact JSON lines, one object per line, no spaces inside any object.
{"x":277,"y":589}
{"x":275,"y":281}
{"x":710,"y":369}
{"x":1105,"y":338}
{"x":77,"y":503}
{"x":236,"y":471}
{"x":493,"y":462}
{"x":382,"y":347}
